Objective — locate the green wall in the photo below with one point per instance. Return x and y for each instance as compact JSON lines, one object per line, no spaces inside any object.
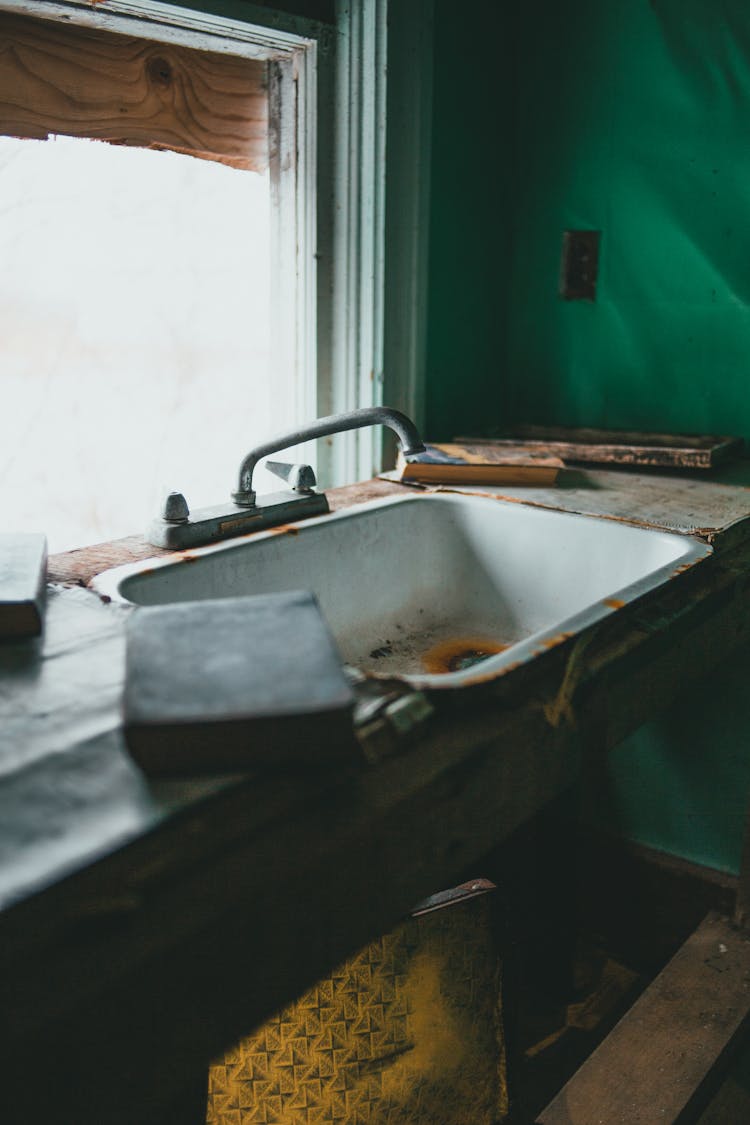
{"x":681,"y":784}
{"x":633,"y":117}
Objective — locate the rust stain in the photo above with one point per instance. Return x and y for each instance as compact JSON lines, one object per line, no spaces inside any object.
{"x":560,"y":709}
{"x":548,"y":506}
{"x":284,"y":529}
{"x":614,"y":603}
{"x":552,"y":642}
{"x":455,"y":655}
{"x":681,"y":569}
{"x":488,"y":677}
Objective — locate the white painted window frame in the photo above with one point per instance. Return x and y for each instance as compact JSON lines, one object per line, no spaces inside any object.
{"x":351,"y":197}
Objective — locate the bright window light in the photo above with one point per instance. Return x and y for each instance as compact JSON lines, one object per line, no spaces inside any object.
{"x":134,"y":334}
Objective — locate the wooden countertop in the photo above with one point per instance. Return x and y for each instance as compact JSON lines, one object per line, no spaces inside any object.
{"x":145,"y":926}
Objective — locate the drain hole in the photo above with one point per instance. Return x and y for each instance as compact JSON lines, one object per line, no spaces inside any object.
{"x":459,"y":654}
{"x":466,"y":659}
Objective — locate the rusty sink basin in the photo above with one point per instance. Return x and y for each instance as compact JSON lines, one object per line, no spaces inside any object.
{"x":432,"y":587}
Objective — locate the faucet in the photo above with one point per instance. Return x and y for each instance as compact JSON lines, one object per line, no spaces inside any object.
{"x":177,"y":528}
{"x":403,"y":427}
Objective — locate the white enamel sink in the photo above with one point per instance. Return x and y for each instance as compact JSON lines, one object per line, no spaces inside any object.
{"x":438,"y":588}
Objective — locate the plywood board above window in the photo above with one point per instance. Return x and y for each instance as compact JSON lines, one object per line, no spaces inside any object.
{"x":82,"y":82}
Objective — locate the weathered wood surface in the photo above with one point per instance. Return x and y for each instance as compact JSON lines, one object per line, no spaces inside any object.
{"x":656,"y":1066}
{"x":79,"y":567}
{"x":716,"y":508}
{"x":82,"y":82}
{"x":149,"y":925}
{"x":628,"y":447}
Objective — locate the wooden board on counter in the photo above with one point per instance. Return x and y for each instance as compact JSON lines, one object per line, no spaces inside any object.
{"x":624,"y":447}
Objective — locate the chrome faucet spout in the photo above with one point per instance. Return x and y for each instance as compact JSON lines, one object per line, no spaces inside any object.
{"x":403,"y":427}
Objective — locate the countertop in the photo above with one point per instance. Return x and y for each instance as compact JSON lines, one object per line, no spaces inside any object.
{"x":144,"y":926}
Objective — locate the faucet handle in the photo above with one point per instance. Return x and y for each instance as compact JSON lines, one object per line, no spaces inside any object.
{"x":301,"y":478}
{"x":175,"y":508}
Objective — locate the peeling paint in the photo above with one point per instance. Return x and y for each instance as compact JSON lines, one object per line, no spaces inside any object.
{"x":682,"y":568}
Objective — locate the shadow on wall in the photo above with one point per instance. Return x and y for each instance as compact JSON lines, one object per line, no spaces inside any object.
{"x":470,"y":207}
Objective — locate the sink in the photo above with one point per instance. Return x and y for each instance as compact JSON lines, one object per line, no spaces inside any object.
{"x":438,"y":588}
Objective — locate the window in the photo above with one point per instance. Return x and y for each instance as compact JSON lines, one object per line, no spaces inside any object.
{"x":265,"y":308}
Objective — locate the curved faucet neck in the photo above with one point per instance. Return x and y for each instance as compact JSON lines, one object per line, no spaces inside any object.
{"x":403,"y":427}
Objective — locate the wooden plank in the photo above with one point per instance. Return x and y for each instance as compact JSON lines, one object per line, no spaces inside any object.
{"x":624,"y":447}
{"x":655,"y":1067}
{"x":82,"y":82}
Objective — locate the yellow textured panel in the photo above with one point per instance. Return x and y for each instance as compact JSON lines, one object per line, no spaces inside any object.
{"x":408,"y":1031}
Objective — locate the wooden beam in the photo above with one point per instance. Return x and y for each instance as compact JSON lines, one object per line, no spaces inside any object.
{"x":656,"y":1067}
{"x":81,"y":82}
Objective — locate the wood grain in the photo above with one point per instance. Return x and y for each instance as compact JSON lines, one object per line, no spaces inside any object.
{"x":624,"y":447}
{"x":81,"y":82}
{"x":655,"y":1066}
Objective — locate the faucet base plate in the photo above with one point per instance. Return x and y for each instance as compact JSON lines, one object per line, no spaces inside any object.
{"x":210,"y":525}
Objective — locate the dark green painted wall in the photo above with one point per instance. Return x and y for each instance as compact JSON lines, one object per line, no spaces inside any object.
{"x":469,"y":222}
{"x":681,"y":784}
{"x":633,"y":117}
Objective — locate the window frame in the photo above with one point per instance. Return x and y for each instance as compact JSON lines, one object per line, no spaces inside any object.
{"x":351,"y":197}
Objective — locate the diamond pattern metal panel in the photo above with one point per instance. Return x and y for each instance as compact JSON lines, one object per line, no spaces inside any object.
{"x":408,"y":1031}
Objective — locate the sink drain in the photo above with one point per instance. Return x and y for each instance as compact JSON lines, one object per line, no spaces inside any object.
{"x":457,"y":655}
